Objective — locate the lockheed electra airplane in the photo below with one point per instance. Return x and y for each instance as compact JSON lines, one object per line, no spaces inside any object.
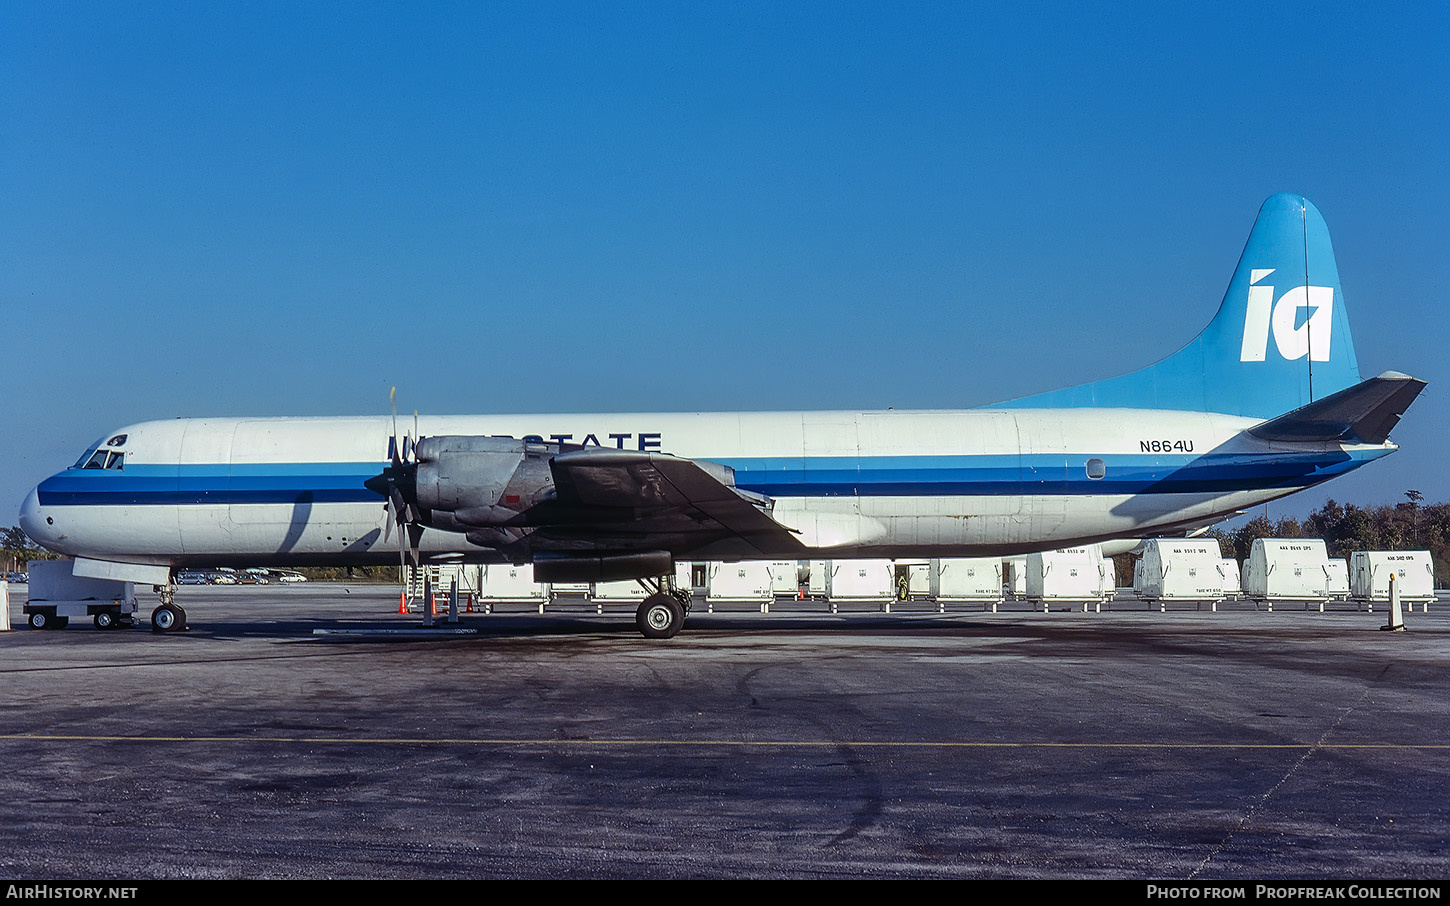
{"x":1266,"y":401}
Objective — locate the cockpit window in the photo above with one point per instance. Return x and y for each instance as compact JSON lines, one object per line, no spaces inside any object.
{"x":103,"y":459}
{"x":98,"y":457}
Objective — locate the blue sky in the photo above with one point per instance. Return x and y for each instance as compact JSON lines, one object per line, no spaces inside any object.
{"x":288,"y":208}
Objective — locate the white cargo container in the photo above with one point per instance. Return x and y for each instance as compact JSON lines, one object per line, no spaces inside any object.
{"x":1369,"y":576}
{"x":56,"y":595}
{"x":685,"y":577}
{"x":1070,"y":575}
{"x":913,"y":577}
{"x":819,"y":578}
{"x":699,"y":572}
{"x":1017,"y":577}
{"x":503,"y":583}
{"x":976,"y":580}
{"x":1336,"y":584}
{"x":568,"y":589}
{"x":617,"y":590}
{"x":1287,"y":569}
{"x":463,"y":576}
{"x":1232,"y":584}
{"x":861,"y":580}
{"x":746,"y":582}
{"x":785,"y":578}
{"x":1181,"y":569}
{"x":628,"y":591}
{"x":1110,"y":579}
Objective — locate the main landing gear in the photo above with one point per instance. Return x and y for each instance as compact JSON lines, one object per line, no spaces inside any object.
{"x":662,"y":614}
{"x":170,"y":616}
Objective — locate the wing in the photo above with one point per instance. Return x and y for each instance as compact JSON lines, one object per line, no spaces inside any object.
{"x":669,"y":496}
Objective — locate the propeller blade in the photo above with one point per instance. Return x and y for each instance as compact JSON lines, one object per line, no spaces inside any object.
{"x":403,"y":576}
{"x":396,"y":507}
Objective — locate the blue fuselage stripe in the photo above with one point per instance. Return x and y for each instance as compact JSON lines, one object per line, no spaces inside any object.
{"x":886,"y":476}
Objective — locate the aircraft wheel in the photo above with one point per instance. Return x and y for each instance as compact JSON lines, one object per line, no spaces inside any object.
{"x":104,"y":620}
{"x":660,"y":617}
{"x":168,"y":618}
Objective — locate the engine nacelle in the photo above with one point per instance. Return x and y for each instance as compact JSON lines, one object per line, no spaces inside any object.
{"x":465,"y":481}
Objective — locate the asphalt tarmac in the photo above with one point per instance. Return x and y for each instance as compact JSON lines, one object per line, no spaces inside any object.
{"x":798,"y":744}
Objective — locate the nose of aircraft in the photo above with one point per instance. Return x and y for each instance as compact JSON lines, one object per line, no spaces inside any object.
{"x":34,"y":522}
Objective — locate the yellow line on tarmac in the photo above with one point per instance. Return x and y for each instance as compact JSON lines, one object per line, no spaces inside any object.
{"x":721,"y":743}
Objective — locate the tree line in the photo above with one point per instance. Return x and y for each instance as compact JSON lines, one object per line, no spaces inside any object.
{"x":16,"y":550}
{"x":1345,"y":528}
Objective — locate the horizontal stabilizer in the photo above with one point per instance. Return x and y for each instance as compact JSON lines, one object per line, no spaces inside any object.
{"x":1364,"y":413}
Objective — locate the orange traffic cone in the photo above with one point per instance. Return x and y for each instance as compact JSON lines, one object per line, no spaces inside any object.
{"x":402,"y":602}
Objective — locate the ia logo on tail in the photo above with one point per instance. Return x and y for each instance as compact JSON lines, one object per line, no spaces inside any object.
{"x":1294,"y":340}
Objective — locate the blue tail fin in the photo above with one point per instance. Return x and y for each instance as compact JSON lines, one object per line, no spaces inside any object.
{"x":1280,"y":339}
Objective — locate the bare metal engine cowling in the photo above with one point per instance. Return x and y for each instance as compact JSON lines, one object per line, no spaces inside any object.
{"x":465,"y":481}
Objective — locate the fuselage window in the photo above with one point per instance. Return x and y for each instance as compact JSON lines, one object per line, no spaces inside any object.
{"x":116,"y":441}
{"x":1096,"y":468}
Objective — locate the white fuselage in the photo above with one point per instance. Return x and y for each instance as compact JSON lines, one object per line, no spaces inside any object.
{"x":851,"y":484}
